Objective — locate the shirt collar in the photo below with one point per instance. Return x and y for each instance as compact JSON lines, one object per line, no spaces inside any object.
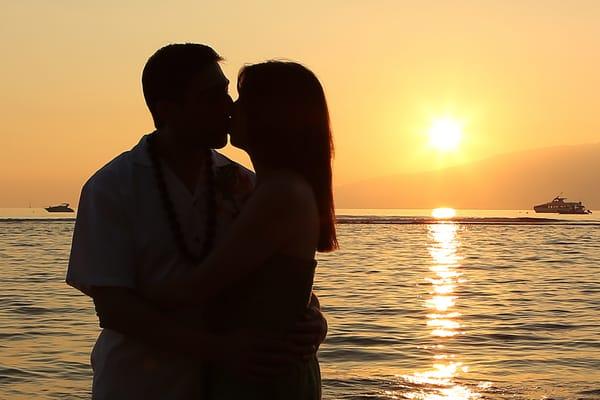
{"x":140,"y":152}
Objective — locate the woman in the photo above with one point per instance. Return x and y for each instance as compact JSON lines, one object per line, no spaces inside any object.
{"x":267,"y":261}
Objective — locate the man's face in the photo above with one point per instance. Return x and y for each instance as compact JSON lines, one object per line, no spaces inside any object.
{"x":203,"y":117}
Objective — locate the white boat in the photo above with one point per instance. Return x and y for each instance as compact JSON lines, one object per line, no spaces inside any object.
{"x":560,"y":206}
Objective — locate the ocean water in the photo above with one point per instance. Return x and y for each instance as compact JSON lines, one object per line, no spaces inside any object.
{"x":488,"y":305}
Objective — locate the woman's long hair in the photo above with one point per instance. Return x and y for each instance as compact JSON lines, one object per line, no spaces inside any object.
{"x":288,"y":127}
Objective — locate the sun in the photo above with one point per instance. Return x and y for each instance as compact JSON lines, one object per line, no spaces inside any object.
{"x":445,"y":134}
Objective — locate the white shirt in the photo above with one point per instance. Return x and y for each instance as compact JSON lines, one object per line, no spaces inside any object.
{"x":123,"y":238}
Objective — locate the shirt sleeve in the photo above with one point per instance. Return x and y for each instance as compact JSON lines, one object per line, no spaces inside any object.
{"x":102,"y":248}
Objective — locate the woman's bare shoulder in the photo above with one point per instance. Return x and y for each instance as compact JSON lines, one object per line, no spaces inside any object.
{"x":287,"y":189}
{"x":292,"y":200}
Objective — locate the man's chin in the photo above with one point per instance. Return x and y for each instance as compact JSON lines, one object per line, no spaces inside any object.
{"x":211,"y":142}
{"x":237,"y":144}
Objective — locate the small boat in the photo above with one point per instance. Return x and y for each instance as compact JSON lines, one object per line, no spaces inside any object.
{"x":559,"y":206}
{"x":63,"y":207}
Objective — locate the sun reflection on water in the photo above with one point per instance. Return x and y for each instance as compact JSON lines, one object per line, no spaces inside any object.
{"x":443,"y":213}
{"x":438,"y":383}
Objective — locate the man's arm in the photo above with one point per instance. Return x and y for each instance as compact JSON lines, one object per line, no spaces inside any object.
{"x":122,"y":310}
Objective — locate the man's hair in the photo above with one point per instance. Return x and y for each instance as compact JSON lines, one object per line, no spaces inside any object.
{"x":168,"y":72}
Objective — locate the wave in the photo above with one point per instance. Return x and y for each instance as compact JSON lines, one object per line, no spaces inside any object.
{"x":591,"y":392}
{"x":400,"y":220}
{"x":375,"y":220}
{"x":26,"y":219}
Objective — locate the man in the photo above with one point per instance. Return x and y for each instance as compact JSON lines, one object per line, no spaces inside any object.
{"x":150,"y":214}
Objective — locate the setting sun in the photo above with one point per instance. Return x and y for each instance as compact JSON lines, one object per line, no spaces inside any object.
{"x":445,"y":134}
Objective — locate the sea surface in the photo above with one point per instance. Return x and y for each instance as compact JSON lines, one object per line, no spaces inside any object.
{"x":485,"y":305}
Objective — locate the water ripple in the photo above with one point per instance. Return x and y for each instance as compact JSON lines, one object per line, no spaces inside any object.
{"x":473,"y":311}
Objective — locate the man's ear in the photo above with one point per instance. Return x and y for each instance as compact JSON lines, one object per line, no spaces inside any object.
{"x":164,"y":110}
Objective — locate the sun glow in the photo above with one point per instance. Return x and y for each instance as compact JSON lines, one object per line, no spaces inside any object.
{"x":443,"y":213}
{"x":445,"y":134}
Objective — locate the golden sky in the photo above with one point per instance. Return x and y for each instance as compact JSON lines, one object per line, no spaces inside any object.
{"x":516,"y":74}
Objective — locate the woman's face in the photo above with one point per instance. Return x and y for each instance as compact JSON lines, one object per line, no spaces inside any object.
{"x":239,"y":131}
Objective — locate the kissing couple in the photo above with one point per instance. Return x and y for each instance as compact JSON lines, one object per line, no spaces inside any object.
{"x":201,"y":271}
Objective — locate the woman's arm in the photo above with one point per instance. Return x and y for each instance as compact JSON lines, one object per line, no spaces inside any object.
{"x":269,"y":219}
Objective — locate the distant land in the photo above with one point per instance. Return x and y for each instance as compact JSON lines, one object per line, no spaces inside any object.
{"x":509,"y":181}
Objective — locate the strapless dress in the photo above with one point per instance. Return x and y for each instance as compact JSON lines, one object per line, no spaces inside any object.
{"x":272,"y":299}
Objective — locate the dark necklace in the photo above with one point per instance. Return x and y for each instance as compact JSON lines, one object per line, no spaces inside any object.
{"x":170,"y":208}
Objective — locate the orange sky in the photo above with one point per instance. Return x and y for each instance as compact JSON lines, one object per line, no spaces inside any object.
{"x":518,"y":74}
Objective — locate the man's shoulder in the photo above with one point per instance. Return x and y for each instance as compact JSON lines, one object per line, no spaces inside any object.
{"x":111,"y":172}
{"x":114,"y":173}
